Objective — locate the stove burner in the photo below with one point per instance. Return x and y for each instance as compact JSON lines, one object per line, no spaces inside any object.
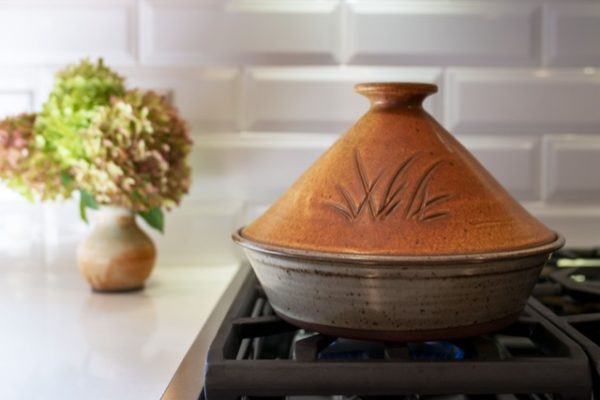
{"x":435,"y":351}
{"x":347,"y":349}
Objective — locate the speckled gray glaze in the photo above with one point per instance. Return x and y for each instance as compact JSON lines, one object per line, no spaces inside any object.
{"x":398,"y":299}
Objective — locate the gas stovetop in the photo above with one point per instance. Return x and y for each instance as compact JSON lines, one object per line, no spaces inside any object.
{"x":552,"y":351}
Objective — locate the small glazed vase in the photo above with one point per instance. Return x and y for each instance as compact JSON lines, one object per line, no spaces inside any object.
{"x":117,"y":255}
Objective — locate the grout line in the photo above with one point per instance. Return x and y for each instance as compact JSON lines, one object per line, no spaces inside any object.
{"x":265,"y":140}
{"x":537,"y":162}
{"x":144,"y":28}
{"x":441,"y":100}
{"x":343,"y":32}
{"x":541,"y":37}
{"x":244,"y":81}
{"x":543,"y":169}
{"x":137,"y":33}
{"x":446,"y":98}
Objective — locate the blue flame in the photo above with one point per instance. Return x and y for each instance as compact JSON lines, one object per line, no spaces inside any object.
{"x":433,"y":351}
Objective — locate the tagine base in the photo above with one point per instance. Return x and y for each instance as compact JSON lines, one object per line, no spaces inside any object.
{"x":453,"y":333}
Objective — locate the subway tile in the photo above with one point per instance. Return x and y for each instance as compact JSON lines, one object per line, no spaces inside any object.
{"x":498,"y":101}
{"x":198,"y":233}
{"x":577,"y":224}
{"x":253,"y":167}
{"x":572,"y":168}
{"x":443,"y":33}
{"x":18,"y":90}
{"x":240,"y":31}
{"x":16,"y":102}
{"x":513,"y":161}
{"x":319,"y":99}
{"x":207,"y":98}
{"x":62,"y":31}
{"x":252,"y":211}
{"x":46,"y":84}
{"x":571,"y":34}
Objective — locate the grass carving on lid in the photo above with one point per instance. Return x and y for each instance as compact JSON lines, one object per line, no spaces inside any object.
{"x":396,"y":194}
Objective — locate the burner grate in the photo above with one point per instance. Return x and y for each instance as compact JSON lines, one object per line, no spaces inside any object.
{"x":256,"y":355}
{"x":583,"y":329}
{"x":570,"y":299}
{"x":410,"y":397}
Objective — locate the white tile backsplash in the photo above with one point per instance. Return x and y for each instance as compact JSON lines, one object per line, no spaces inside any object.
{"x":443,"y":32}
{"x":198,"y":233}
{"x":267,"y":86}
{"x":319,"y":99}
{"x":513,"y":161}
{"x":209,"y":99}
{"x":571,"y":34}
{"x":499,"y":101}
{"x":18,"y":89}
{"x":578,"y":224}
{"x":252,"y":167}
{"x":15,"y":102}
{"x":246,"y":31}
{"x":60,"y":31}
{"x":572,"y":171}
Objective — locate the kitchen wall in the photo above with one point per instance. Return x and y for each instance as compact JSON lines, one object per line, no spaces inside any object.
{"x":266,"y":86}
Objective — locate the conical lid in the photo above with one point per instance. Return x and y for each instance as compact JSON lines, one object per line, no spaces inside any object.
{"x":397,"y":183}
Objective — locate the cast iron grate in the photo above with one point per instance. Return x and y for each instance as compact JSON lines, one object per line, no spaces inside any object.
{"x":571,"y":301}
{"x":256,"y":355}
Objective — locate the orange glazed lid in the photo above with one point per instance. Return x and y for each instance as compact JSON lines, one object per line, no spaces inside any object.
{"x":397,"y":184}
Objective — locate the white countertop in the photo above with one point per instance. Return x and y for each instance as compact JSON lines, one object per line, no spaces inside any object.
{"x":59,"y":340}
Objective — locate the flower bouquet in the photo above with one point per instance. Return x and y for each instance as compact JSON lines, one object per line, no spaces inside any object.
{"x":123,"y":151}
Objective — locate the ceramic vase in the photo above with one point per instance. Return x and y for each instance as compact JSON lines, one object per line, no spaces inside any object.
{"x":117,"y":255}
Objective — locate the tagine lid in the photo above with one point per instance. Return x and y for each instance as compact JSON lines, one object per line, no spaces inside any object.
{"x":397,"y":183}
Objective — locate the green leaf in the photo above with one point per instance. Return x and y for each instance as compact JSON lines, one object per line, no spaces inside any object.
{"x":154,"y":217}
{"x":86,"y":200}
{"x":65,"y":178}
{"x":139,"y":198}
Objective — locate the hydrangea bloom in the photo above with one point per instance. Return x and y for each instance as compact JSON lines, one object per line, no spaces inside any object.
{"x":79,"y":91}
{"x":22,"y":166}
{"x":135,"y":154}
